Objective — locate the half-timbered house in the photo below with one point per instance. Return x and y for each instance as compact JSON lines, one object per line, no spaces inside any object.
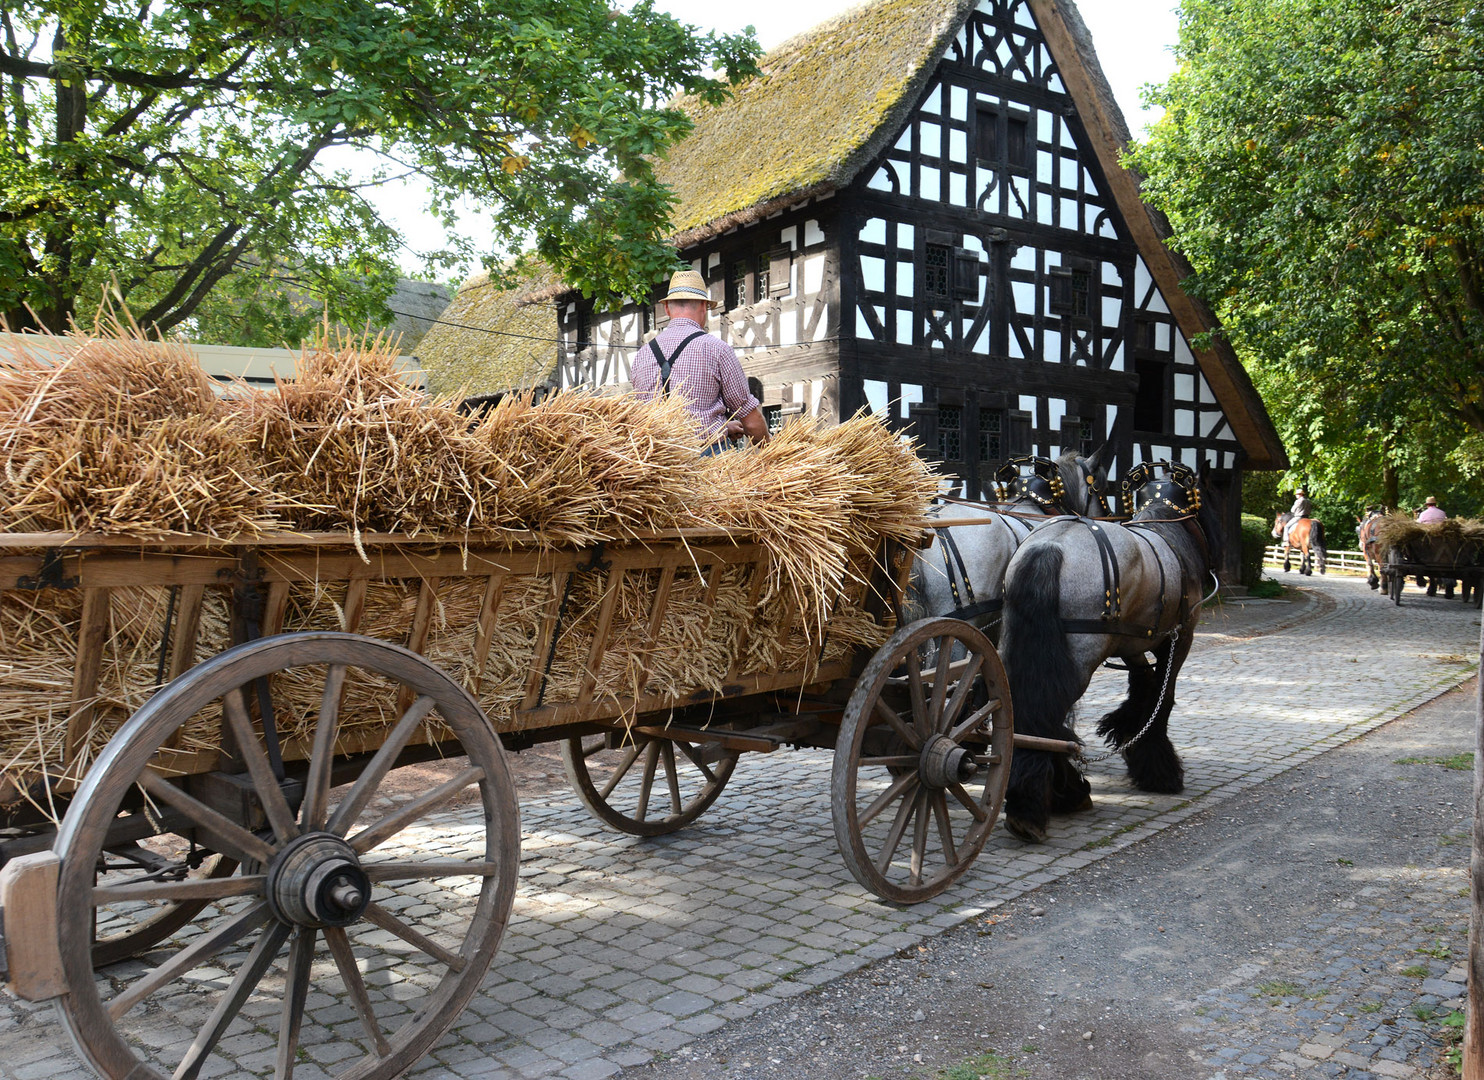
{"x":918,"y":208}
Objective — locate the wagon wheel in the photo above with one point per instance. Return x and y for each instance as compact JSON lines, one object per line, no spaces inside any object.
{"x":923,"y":760}
{"x":337,"y":887}
{"x":645,"y":786}
{"x":136,"y":931}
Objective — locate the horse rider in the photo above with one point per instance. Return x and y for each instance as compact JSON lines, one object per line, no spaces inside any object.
{"x":1301,"y":508}
{"x":1431,"y":512}
{"x":701,"y":368}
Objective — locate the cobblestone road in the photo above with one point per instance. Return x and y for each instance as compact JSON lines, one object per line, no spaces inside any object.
{"x":621,"y":949}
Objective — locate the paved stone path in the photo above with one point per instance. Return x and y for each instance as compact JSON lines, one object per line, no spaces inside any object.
{"x":622,"y":949}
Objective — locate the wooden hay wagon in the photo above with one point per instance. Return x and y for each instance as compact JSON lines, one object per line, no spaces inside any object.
{"x":1446,"y":553}
{"x":202,"y":819}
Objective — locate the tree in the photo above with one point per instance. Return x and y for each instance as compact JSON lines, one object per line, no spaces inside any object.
{"x":1322,"y":165}
{"x":181,"y":156}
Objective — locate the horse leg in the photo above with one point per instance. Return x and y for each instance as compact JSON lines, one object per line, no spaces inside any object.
{"x":1070,"y":791}
{"x":1153,"y":763}
{"x":1287,"y":558}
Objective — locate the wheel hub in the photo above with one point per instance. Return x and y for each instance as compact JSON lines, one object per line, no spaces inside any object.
{"x":317,"y":881}
{"x":945,"y":762}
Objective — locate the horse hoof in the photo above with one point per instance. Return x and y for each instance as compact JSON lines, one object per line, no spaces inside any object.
{"x":1025,"y":830}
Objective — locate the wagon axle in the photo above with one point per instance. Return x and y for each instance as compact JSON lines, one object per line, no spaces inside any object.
{"x":945,"y":762}
{"x":317,"y":881}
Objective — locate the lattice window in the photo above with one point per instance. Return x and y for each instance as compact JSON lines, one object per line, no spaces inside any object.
{"x":1149,"y":404}
{"x":935,"y":271}
{"x":773,"y":414}
{"x":1084,"y":437}
{"x":950,"y":433}
{"x":737,"y":285}
{"x":760,"y":279}
{"x":991,"y":435}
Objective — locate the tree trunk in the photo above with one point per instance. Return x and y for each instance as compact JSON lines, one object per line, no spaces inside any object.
{"x":1390,"y":495}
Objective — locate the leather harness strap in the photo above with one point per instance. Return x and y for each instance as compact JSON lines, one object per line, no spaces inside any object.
{"x":665,"y":365}
{"x":1111,"y":622}
{"x":955,"y":569}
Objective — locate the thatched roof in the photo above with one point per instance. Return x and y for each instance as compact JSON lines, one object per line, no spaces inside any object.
{"x":490,"y":339}
{"x":416,"y":306}
{"x":826,"y":103}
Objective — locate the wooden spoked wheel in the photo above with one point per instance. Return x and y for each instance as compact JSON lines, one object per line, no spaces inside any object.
{"x":922,"y":760}
{"x":147,"y":923}
{"x":643,"y":785}
{"x":338,"y":891}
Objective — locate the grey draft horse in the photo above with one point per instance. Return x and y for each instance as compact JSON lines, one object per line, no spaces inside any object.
{"x":962,"y":572}
{"x":1078,"y":593}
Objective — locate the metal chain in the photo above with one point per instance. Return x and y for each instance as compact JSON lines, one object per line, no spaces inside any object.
{"x":1169,"y":670}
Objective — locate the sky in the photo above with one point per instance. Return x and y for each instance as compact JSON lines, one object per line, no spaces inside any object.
{"x":1134,"y":40}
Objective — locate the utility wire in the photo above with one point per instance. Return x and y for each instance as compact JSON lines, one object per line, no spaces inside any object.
{"x":584,"y":344}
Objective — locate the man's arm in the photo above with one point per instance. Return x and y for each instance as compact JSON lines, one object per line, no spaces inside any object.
{"x":755,"y":427}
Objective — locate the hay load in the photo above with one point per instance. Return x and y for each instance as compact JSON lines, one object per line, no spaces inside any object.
{"x":1456,"y":540}
{"x":126,"y":437}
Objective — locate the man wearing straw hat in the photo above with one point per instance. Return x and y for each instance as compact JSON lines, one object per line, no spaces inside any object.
{"x":701,"y":368}
{"x":1431,"y":511}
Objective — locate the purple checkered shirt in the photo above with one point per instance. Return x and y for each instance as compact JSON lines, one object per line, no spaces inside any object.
{"x":708,"y":375}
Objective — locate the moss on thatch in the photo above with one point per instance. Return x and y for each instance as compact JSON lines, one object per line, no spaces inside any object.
{"x":490,"y":339}
{"x":825,"y":102}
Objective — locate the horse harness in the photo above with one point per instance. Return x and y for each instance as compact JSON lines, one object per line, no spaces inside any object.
{"x":957,"y":572}
{"x":1111,"y":622}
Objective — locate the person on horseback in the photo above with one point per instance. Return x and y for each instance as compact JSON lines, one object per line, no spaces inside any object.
{"x":1301,"y":509}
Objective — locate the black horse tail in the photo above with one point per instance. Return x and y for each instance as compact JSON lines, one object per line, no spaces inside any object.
{"x":1316,"y":541}
{"x":1043,"y":680}
{"x":1043,"y":688}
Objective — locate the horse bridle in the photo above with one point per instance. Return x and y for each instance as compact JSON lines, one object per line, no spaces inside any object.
{"x":1044,"y":486}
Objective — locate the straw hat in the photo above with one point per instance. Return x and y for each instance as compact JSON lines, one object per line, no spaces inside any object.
{"x":690,"y":285}
{"x":1431,"y":500}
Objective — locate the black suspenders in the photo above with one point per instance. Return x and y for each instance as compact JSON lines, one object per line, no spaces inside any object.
{"x":664,"y":364}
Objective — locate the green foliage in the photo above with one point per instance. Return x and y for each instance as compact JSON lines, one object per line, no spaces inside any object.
{"x":1458,"y":762}
{"x":1322,"y":164}
{"x":193,"y":160}
{"x":1255,"y":541}
{"x":986,"y":1066}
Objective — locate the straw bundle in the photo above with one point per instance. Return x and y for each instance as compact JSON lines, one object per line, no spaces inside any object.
{"x":38,"y":632}
{"x":354,"y":448}
{"x":819,"y":499}
{"x":123,"y":436}
{"x":580,"y":467}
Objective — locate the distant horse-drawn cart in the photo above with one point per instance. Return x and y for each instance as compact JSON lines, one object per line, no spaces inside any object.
{"x":1449,"y":554}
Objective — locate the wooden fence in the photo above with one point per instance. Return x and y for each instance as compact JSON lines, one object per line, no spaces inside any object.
{"x":1344,"y":562}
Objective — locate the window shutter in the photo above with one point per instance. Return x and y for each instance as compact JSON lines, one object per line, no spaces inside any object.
{"x":1060,"y":280}
{"x":1020,"y":433}
{"x":924,"y":420}
{"x":965,"y":274}
{"x":780,"y":272}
